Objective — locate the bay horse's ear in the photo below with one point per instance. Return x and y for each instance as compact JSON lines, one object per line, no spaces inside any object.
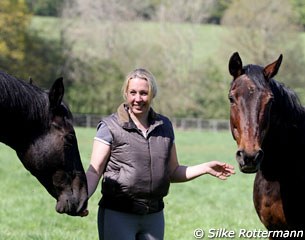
{"x":56,"y":93}
{"x":235,"y":65}
{"x":271,"y":70}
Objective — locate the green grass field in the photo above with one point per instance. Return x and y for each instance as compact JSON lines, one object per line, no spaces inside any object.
{"x":28,"y":212}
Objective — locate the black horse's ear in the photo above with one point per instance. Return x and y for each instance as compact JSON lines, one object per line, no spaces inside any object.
{"x":56,"y":93}
{"x":272,"y":69}
{"x":235,"y":65}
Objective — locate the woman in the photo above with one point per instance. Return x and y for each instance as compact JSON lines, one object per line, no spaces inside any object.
{"x":134,"y":151}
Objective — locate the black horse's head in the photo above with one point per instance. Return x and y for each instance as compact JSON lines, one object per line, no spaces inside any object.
{"x":251,"y":98}
{"x":53,"y":156}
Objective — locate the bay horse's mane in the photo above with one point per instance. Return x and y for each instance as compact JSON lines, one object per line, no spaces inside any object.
{"x":286,"y":101}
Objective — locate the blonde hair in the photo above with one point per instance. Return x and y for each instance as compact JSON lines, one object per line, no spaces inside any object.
{"x":142,"y":74}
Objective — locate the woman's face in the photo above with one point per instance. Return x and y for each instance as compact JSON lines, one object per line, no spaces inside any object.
{"x":137,"y":96}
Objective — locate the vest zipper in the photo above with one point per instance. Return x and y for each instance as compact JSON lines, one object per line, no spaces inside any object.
{"x":150,"y":166}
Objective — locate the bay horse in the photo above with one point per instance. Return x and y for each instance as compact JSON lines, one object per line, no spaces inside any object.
{"x":38,"y":126}
{"x":268,"y":124}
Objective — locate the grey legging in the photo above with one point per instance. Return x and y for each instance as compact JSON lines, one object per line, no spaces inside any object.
{"x":114,"y":225}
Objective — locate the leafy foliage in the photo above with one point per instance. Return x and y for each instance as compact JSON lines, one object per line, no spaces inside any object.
{"x":44,"y":7}
{"x":14,"y":20}
{"x":299,"y":7}
{"x":43,"y":61}
{"x":114,"y":33}
{"x":23,"y":52}
{"x":259,"y":36}
{"x":96,"y":87}
{"x":95,"y":45}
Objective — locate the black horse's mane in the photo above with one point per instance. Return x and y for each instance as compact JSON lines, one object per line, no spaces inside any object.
{"x":26,"y":99}
{"x":286,"y":101}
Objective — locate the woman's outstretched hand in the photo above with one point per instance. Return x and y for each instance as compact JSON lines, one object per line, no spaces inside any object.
{"x":218,"y":169}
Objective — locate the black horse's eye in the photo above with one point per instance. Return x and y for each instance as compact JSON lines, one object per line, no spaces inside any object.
{"x":69,"y":140}
{"x":70,"y":137}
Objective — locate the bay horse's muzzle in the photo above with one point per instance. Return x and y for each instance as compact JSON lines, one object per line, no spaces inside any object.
{"x":249,"y":162}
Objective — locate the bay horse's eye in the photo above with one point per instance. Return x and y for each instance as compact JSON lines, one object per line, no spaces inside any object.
{"x":271,"y":99}
{"x":231,"y":99}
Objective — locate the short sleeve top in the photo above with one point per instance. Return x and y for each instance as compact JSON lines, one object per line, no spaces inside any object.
{"x":103,"y":134}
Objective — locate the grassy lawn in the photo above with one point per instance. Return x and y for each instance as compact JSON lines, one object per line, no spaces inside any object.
{"x":28,"y":212}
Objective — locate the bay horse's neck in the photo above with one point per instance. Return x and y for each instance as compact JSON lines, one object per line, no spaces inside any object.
{"x":285,"y":139}
{"x":287,"y":111}
{"x":23,"y":110}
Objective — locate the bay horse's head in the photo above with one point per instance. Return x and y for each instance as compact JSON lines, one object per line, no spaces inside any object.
{"x":53,"y":156}
{"x":251,"y":98}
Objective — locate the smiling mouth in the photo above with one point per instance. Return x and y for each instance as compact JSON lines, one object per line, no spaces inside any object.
{"x":138,"y":107}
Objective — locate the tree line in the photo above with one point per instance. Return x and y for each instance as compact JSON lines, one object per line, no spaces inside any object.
{"x":148,"y":8}
{"x":99,"y":42}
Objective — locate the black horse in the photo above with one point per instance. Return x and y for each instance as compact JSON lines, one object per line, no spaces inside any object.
{"x":268,"y":124}
{"x":38,"y":126}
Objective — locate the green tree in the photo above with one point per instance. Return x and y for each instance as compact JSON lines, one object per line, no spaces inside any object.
{"x":262,"y":30}
{"x":45,"y":7}
{"x":220,"y":6}
{"x":256,"y":28}
{"x":113,"y":35}
{"x":43,"y":61}
{"x":23,"y":53}
{"x":14,"y":21}
{"x":96,"y":87}
{"x":299,"y":8}
{"x":210,"y":93}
